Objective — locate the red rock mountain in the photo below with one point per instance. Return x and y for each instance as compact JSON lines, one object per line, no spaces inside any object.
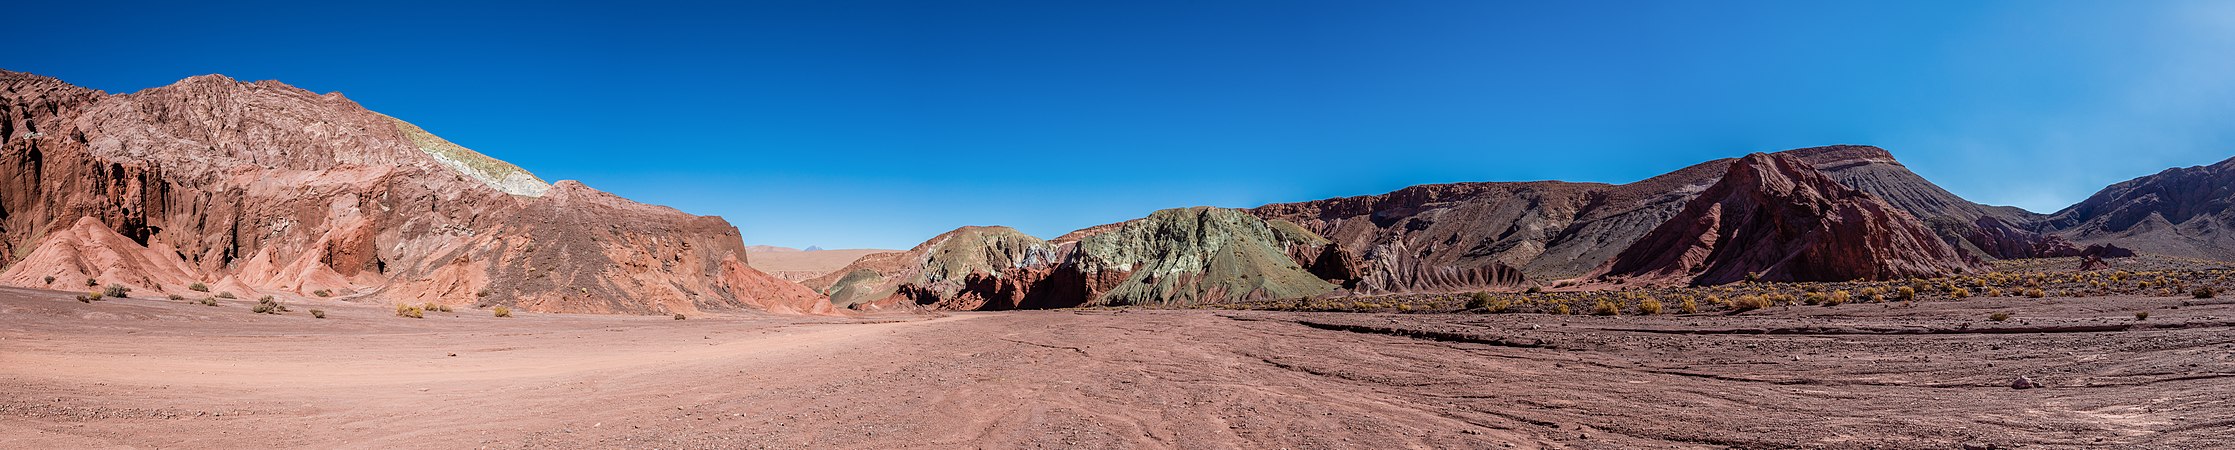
{"x":1781,"y":219}
{"x":262,"y":188}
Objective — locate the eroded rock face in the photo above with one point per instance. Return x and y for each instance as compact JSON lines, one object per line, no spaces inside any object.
{"x":2187,"y":212}
{"x":1173,"y":257}
{"x":1778,"y":218}
{"x":940,"y":272}
{"x":1984,"y":231}
{"x":262,"y":188}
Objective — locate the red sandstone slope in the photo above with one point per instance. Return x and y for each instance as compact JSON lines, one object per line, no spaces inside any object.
{"x":269,"y":189}
{"x":1779,"y":218}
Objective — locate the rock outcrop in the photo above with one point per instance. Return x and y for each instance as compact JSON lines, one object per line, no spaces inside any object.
{"x":1987,"y":231}
{"x":2188,"y":212}
{"x":1172,"y":257}
{"x":1778,"y":218}
{"x":263,"y":188}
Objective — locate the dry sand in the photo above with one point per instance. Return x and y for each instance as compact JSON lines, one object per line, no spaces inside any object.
{"x":156,"y":373}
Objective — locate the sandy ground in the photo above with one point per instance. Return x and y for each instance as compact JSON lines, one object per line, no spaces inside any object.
{"x":796,"y":265}
{"x":156,"y":373}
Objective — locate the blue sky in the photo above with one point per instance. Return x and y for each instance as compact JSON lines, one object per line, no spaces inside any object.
{"x":879,"y":124}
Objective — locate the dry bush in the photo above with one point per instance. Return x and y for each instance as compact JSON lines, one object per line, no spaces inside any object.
{"x":50,"y":279}
{"x":1749,"y":302}
{"x":2141,"y":315}
{"x":209,"y":301}
{"x":1688,"y":306}
{"x":267,"y":305}
{"x":502,"y":311}
{"x":1606,"y":308}
{"x":318,"y":313}
{"x":1837,"y":298}
{"x":1905,"y":293}
{"x":198,"y":287}
{"x":2036,"y":293}
{"x":679,"y":316}
{"x":226,"y":295}
{"x":410,"y":311}
{"x":2204,"y":292}
{"x":1998,"y":317}
{"x":322,"y":293}
{"x":117,"y":290}
{"x":1649,"y":307}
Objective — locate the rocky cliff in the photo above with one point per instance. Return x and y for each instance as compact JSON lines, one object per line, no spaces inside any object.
{"x":1778,"y":218}
{"x":262,"y":188}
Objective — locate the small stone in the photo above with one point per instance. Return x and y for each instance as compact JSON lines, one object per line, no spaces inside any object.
{"x":2024,"y":382}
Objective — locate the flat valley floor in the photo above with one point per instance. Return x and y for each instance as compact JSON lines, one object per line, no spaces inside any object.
{"x":157,"y":373}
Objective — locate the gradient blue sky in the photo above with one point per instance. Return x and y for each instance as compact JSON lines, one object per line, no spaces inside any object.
{"x":879,"y":124}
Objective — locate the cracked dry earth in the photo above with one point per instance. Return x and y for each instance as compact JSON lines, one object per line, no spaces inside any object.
{"x":155,"y":373}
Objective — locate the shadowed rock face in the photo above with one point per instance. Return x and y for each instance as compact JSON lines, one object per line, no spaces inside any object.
{"x":1173,"y":257}
{"x":262,"y":188}
{"x":1779,"y":217}
{"x":2182,"y":212}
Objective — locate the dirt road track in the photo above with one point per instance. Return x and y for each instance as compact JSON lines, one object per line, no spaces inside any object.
{"x":156,"y":373}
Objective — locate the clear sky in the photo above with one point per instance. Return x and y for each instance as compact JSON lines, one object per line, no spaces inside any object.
{"x":879,"y":124}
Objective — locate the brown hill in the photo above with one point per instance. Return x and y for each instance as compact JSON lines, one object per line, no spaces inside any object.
{"x":1778,"y":218}
{"x":263,"y":188}
{"x":796,"y":265}
{"x":2188,"y":212}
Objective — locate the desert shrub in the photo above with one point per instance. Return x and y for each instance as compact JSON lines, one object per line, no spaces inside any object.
{"x":318,"y":313}
{"x":1994,"y":292}
{"x":443,"y":308}
{"x":209,"y":301}
{"x":1563,"y":310}
{"x":50,"y":279}
{"x":1753,"y":277}
{"x":1606,"y":308}
{"x":1535,"y":290}
{"x":481,"y":293}
{"x":322,"y":293}
{"x":1905,"y":293}
{"x":86,"y":298}
{"x":117,"y":290}
{"x":1649,"y":307}
{"x":176,"y":297}
{"x":2141,"y":315}
{"x":1837,"y":298}
{"x":410,"y":311}
{"x":1688,"y":306}
{"x":2036,"y":293}
{"x":679,"y":316}
{"x":198,"y":287}
{"x":226,"y":295}
{"x":1812,"y":298}
{"x":1749,"y":302}
{"x":89,"y":282}
{"x":2204,"y":292}
{"x":1998,"y":317}
{"x":95,"y":295}
{"x":502,"y":311}
{"x":267,"y":305}
{"x":1478,"y":300}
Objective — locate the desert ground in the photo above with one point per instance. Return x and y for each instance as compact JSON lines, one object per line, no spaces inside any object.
{"x":140,"y":372}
